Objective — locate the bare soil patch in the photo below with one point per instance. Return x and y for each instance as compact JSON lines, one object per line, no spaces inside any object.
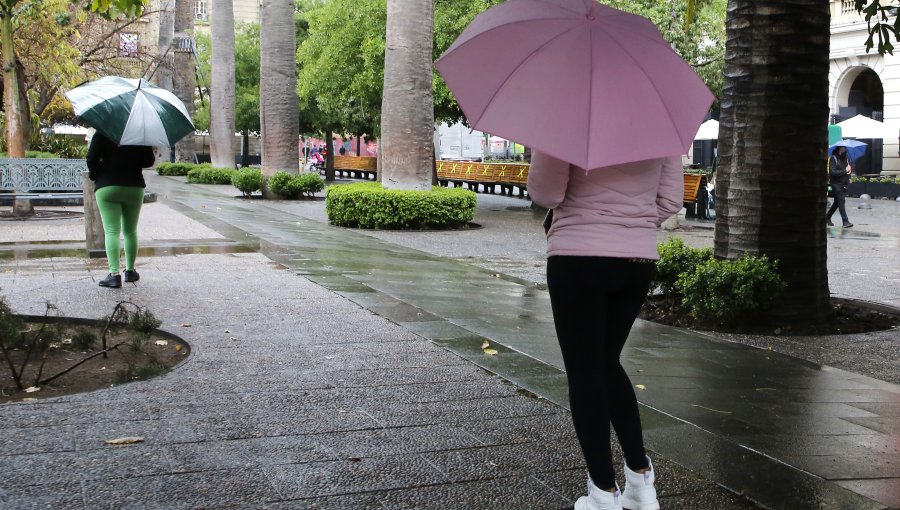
{"x":137,"y":357}
{"x":850,"y":317}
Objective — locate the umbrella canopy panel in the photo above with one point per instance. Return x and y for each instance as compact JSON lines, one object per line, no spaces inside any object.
{"x":580,"y":81}
{"x":709,"y":130}
{"x":131,"y":112}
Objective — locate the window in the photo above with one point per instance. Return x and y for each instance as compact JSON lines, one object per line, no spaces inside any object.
{"x":129,"y":44}
{"x":201,"y":10}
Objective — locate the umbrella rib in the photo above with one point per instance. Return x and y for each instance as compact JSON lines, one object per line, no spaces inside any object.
{"x":516,"y":69}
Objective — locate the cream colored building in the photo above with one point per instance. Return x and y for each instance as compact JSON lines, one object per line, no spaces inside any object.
{"x":864,"y":83}
{"x":245,"y":11}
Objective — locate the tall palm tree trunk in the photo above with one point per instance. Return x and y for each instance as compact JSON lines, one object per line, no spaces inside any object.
{"x":222,"y":95}
{"x":407,"y":108}
{"x":279,"y":105}
{"x":770,"y":194}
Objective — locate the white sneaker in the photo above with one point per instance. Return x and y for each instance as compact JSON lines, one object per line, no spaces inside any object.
{"x":639,"y":492}
{"x":599,"y":499}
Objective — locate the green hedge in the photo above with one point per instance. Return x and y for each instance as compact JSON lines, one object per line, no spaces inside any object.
{"x":247,"y":180}
{"x":206,"y":174}
{"x":175,"y":169}
{"x":288,"y":185}
{"x":36,"y":155}
{"x":675,"y":258}
{"x":731,"y":291}
{"x":369,"y":205}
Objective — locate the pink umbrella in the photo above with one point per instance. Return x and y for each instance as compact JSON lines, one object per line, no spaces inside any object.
{"x":580,"y":81}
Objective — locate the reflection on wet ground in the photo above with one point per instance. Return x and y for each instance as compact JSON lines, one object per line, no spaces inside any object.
{"x":55,"y":249}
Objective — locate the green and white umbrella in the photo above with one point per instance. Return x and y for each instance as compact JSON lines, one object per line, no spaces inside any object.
{"x":131,"y":111}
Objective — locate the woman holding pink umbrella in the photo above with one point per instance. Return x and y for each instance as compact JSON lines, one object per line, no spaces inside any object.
{"x":601,"y":248}
{"x":607,"y":107}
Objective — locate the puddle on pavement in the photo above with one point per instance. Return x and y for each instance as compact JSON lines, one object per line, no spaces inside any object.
{"x":30,"y":252}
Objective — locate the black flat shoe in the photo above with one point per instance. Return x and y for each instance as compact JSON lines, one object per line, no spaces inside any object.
{"x":827,"y":222}
{"x":131,"y":276}
{"x":113,"y":281}
{"x":848,"y":225}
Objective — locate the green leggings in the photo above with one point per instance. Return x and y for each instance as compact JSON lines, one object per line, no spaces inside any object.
{"x":120,"y":208}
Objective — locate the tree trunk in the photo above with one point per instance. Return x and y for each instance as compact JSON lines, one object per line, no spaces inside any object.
{"x":279,"y":106}
{"x":407,"y":108}
{"x":15,"y":134}
{"x":329,"y":155}
{"x":221,"y":111}
{"x":770,"y":194}
{"x":185,"y":79}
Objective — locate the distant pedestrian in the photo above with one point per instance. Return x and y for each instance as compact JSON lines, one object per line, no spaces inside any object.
{"x":117,"y":172}
{"x":839,"y":170}
{"x":601,"y":248}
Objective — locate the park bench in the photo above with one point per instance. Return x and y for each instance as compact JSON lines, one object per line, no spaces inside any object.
{"x":484,"y":175}
{"x":696,"y":199}
{"x":359,"y":167}
{"x":42,"y":181}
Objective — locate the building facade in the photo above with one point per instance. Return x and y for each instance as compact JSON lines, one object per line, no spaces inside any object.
{"x":862,"y":83}
{"x":245,"y":11}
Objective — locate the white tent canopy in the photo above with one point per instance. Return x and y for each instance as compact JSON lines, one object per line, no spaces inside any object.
{"x":709,"y":130}
{"x":864,"y":127}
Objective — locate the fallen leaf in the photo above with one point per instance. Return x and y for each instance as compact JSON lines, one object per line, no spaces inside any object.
{"x":102,"y":368}
{"x":640,"y":387}
{"x":233,"y":338}
{"x":179,"y":347}
{"x":32,"y":389}
{"x":125,"y":440}
{"x":329,"y":357}
{"x":29,"y":399}
{"x":490,"y":352}
{"x":162,"y":343}
{"x":354,"y":459}
{"x":228,"y":331}
{"x":485,"y":344}
{"x":185,"y":325}
{"x":66,"y":341}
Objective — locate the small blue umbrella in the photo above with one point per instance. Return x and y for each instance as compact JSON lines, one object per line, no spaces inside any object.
{"x":855,"y":148}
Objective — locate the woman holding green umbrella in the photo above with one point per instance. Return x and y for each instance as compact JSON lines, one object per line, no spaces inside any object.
{"x":131,"y":117}
{"x":117,"y":172}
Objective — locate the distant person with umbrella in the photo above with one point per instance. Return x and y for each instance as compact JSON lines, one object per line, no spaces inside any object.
{"x":117,"y":172}
{"x":131,"y":117}
{"x":839,"y":170}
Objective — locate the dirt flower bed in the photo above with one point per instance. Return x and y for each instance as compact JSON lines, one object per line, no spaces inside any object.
{"x":850,"y":317}
{"x":53,"y":355}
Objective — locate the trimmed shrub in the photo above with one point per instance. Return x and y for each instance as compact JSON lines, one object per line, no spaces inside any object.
{"x":35,"y":155}
{"x":676,"y":258}
{"x":174,"y":169}
{"x":369,"y":205}
{"x":247,"y":180}
{"x":731,"y":292}
{"x":204,"y":174}
{"x":282,"y":184}
{"x":287,"y":185}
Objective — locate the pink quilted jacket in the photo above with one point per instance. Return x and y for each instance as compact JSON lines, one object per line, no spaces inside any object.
{"x":607,"y":212}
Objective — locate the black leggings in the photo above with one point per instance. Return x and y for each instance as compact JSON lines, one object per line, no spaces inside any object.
{"x":595,"y":302}
{"x":839,"y":201}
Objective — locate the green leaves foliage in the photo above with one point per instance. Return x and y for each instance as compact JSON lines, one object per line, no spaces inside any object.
{"x":247,"y":181}
{"x":369,"y":205}
{"x":206,"y":174}
{"x":292,"y":186}
{"x":174,"y":169}
{"x":676,"y":258}
{"x":731,"y":291}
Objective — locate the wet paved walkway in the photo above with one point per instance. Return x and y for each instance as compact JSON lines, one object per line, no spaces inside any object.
{"x":787,"y":433}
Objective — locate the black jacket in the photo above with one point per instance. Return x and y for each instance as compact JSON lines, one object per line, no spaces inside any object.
{"x":114,"y":165}
{"x":837,"y":171}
